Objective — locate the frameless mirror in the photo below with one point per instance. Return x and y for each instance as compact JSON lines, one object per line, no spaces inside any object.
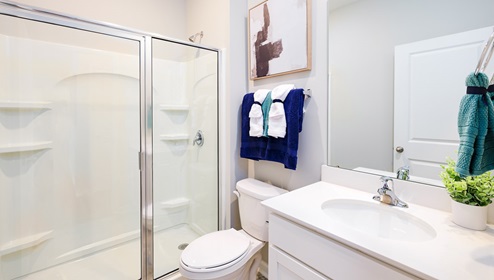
{"x":397,"y":75}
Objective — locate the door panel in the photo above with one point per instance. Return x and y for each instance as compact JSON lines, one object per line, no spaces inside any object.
{"x":69,"y":140}
{"x":429,"y":84}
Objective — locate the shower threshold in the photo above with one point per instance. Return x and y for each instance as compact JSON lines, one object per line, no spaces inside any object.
{"x":123,"y":261}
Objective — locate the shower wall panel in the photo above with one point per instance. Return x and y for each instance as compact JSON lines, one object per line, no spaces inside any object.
{"x":185,"y":172}
{"x":185,"y":98}
{"x":171,"y":138}
{"x":202,"y":189}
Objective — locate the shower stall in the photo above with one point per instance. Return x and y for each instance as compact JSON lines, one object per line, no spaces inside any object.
{"x":109,"y":155}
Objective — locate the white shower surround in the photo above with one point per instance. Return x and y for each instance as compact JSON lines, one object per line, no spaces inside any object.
{"x":197,"y":79}
{"x":44,"y":182}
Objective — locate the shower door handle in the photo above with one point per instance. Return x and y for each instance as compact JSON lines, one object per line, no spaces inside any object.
{"x":199,"y":139}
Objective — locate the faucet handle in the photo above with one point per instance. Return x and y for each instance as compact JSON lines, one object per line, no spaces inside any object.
{"x":403,"y":173}
{"x":385,"y":180}
{"x":387,"y":194}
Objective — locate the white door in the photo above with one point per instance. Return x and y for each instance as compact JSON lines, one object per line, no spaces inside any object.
{"x":429,"y":84}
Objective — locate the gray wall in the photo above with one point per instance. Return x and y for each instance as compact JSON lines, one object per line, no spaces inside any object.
{"x":313,"y":138}
{"x":237,"y":72}
{"x":361,"y":43}
{"x":312,"y":150}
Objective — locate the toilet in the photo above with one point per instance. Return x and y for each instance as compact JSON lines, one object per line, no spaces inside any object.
{"x":231,"y":254}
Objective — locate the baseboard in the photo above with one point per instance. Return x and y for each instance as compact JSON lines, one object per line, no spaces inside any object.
{"x":263,"y":269}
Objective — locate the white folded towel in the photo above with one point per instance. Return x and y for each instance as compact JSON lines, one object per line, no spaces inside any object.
{"x":256,"y":119}
{"x":277,"y":120}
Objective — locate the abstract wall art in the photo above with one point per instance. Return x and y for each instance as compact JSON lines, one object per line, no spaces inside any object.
{"x":279,"y":38}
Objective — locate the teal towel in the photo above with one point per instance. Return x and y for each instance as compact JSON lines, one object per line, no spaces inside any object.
{"x":488,"y":157}
{"x":476,"y":128}
{"x":266,"y":106}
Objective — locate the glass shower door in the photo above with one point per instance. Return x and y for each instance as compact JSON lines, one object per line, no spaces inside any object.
{"x":185,"y":149}
{"x":69,"y":144}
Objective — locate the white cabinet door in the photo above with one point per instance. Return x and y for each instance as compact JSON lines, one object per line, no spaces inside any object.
{"x":322,"y":255}
{"x":429,"y":84}
{"x":283,"y":267}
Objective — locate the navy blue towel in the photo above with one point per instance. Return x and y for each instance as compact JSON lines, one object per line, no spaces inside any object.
{"x":282,"y":150}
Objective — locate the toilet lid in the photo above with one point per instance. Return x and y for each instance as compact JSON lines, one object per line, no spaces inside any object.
{"x":215,"y":249}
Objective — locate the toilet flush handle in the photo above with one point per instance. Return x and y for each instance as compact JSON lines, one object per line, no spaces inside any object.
{"x":237,"y":194}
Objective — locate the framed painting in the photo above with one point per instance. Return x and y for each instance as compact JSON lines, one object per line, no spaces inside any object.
{"x":279,"y":38}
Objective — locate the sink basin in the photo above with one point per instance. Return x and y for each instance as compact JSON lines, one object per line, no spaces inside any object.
{"x":378,"y":219}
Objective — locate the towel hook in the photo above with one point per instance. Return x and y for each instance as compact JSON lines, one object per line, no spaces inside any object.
{"x":308,"y":93}
{"x":488,"y":50}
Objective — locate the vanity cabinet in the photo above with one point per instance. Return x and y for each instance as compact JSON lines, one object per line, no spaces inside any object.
{"x":288,"y":268}
{"x":296,"y":252}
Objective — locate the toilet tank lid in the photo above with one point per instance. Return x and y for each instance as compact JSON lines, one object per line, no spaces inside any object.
{"x":258,"y":189}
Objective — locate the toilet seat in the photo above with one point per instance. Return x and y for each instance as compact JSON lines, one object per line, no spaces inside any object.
{"x":215,"y":251}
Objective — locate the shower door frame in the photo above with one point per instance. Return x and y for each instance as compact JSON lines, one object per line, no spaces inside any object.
{"x":9,"y":8}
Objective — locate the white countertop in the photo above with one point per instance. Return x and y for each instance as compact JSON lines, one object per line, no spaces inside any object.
{"x":455,"y":253}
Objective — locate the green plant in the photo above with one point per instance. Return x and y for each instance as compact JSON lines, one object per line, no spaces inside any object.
{"x":471,"y":190}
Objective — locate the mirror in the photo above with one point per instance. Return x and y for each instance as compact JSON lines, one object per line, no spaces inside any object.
{"x":362,"y":39}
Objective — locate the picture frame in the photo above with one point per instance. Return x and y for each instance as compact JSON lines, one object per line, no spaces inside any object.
{"x":279,"y":38}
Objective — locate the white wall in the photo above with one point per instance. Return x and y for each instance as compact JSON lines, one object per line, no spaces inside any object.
{"x":313,"y":138}
{"x":211,"y":17}
{"x":166,"y":17}
{"x":362,"y":40}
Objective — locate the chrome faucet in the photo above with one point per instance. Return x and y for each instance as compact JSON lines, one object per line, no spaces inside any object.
{"x":387,"y":195}
{"x":403,"y":173}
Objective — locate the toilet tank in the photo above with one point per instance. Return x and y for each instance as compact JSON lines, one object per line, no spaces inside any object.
{"x":254,"y":216}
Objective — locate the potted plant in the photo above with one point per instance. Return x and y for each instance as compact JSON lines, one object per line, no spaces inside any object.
{"x":471,"y":195}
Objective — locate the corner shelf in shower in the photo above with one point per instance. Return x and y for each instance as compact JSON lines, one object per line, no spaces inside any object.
{"x":34,"y":105}
{"x":175,"y":203}
{"x":174,"y":137}
{"x":174,"y":107}
{"x":25,"y":242}
{"x":25,"y":147}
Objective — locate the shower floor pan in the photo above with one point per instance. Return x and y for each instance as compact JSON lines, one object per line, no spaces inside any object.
{"x":122,"y":262}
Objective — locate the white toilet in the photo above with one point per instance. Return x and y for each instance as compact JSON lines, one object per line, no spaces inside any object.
{"x":231,"y":254}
